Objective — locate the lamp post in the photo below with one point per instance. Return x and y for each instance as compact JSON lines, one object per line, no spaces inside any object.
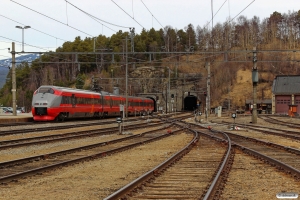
{"x":25,"y":27}
{"x":169,"y":88}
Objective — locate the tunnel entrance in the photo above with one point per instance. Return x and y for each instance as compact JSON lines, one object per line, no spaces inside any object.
{"x":190,"y":103}
{"x":154,"y":103}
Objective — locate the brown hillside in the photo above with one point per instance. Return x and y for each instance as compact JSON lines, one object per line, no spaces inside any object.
{"x":231,"y":81}
{"x":243,"y":89}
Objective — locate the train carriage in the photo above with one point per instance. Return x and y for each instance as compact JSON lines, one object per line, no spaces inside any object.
{"x":59,"y":103}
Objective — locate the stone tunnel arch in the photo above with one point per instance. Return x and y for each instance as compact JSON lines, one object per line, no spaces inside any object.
{"x":190,"y":103}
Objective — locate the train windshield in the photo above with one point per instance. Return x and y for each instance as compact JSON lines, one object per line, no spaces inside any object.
{"x":46,"y":90}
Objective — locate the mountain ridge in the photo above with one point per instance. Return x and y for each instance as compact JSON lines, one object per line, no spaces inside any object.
{"x":5,"y":65}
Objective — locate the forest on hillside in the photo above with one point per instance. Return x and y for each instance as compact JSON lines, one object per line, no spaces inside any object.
{"x":156,"y":48}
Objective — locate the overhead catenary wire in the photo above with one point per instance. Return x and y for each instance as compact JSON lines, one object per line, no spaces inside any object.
{"x":43,"y":48}
{"x":33,"y":28}
{"x":24,"y":43}
{"x":242,"y":11}
{"x":52,"y":18}
{"x":214,"y":14}
{"x":67,"y":12}
{"x":5,"y":42}
{"x":127,"y":13}
{"x":229,"y":12}
{"x":152,"y":14}
{"x":94,"y":17}
{"x":4,"y":56}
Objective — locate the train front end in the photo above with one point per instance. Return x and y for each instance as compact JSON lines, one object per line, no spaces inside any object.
{"x":45,"y":104}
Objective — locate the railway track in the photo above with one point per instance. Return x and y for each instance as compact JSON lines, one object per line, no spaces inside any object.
{"x":289,"y":157}
{"x":272,"y":131}
{"x":198,"y":171}
{"x":7,"y":144}
{"x":285,"y":158}
{"x":35,"y":140}
{"x":279,"y":122}
{"x":17,"y":124}
{"x":13,"y":170}
{"x":61,"y":127}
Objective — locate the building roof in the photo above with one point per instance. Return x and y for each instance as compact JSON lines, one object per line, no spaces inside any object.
{"x":286,"y":85}
{"x":259,"y":101}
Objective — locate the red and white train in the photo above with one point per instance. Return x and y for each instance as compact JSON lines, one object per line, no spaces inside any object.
{"x":59,"y":103}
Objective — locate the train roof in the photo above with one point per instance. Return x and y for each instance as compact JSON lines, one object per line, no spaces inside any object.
{"x":65,"y":89}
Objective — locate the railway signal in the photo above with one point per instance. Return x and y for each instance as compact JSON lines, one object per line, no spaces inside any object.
{"x":119,"y":120}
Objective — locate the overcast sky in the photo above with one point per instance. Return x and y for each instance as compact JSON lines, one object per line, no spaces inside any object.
{"x":55,"y":21}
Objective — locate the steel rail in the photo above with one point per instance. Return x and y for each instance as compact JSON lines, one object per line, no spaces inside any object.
{"x":80,"y":159}
{"x":67,"y":136}
{"x":258,"y":128}
{"x":124,"y":190}
{"x":21,"y":131}
{"x":289,"y":169}
{"x":289,"y":149}
{"x":213,"y":187}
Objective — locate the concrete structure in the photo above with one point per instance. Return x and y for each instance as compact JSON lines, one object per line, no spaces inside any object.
{"x":9,"y":117}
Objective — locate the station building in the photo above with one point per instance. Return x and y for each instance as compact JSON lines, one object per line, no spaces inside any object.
{"x":286,"y":95}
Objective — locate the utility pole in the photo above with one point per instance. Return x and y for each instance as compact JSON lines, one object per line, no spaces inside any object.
{"x":13,"y":77}
{"x":166,"y":99}
{"x":169,"y":92}
{"x":183,"y":86}
{"x":255,"y":83}
{"x":126,"y":74}
{"x":207,"y":109}
{"x":229,"y":99}
{"x":132,"y":34}
{"x":94,"y":44}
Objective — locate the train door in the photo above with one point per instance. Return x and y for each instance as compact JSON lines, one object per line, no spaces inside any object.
{"x":73,"y":100}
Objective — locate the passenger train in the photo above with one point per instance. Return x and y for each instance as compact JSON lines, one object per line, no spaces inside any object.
{"x":54,"y":103}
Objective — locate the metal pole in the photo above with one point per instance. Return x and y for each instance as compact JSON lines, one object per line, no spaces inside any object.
{"x":13,"y":69}
{"x":22,"y":39}
{"x":166,"y":100}
{"x":208,"y":89}
{"x":169,"y":89}
{"x":94,"y":44}
{"x":25,"y":27}
{"x":207,"y":98}
{"x":126,"y":90}
{"x":255,"y":83}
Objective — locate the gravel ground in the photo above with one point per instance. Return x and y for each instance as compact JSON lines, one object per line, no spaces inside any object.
{"x":34,"y":150}
{"x":96,"y":179}
{"x":249,"y":178}
{"x":260,"y":135}
{"x":253,"y":179}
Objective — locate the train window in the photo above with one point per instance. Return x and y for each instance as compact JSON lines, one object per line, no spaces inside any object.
{"x":63,"y":100}
{"x":106,"y":102}
{"x":111,"y":102}
{"x":46,"y":90}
